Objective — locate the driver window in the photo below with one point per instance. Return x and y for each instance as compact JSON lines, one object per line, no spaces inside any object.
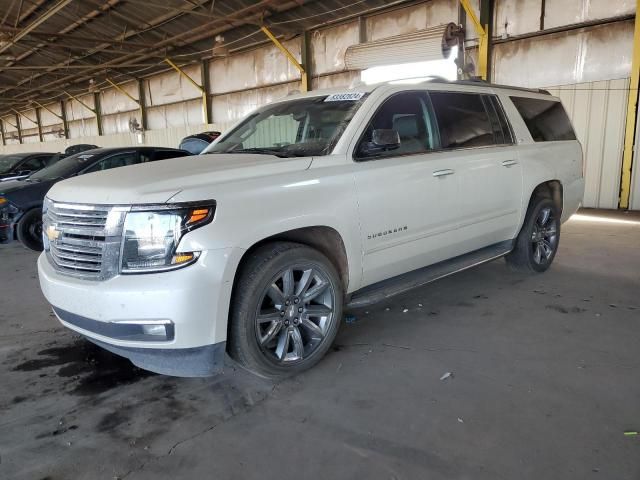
{"x":32,"y":164}
{"x":407,"y":114}
{"x":115,"y":161}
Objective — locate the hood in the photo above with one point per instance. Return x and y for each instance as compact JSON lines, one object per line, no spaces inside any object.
{"x":157,"y":182}
{"x":23,"y":193}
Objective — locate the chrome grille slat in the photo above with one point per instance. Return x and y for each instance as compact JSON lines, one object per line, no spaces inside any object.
{"x":78,"y":249}
{"x":80,"y":259}
{"x":85,"y":239}
{"x":82,"y":242}
{"x":84,"y":222}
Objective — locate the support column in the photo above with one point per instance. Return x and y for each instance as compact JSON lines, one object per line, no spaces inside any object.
{"x":303,"y":74}
{"x":483,"y":37}
{"x":39,"y":122}
{"x":98,"y":112}
{"x":205,"y":99}
{"x":306,"y":61}
{"x":19,"y":128}
{"x":143,"y":104}
{"x":4,"y":140}
{"x":486,"y":20}
{"x":630,"y":127}
{"x":204,"y":81}
{"x":63,"y":115}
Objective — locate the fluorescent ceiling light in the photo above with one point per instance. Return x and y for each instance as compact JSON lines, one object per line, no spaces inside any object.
{"x":413,"y":72}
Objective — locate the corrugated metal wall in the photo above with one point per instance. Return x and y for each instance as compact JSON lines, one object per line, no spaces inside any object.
{"x":589,"y":62}
{"x":598,"y":111}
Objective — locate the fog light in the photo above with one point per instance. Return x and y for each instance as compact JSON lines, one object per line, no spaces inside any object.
{"x":159,"y":330}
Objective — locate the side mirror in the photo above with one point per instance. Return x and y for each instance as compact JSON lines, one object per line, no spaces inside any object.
{"x":382,"y":140}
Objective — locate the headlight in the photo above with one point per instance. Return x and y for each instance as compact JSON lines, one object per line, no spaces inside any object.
{"x":152,"y":235}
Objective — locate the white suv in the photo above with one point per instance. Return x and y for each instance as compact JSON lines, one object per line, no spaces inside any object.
{"x":309,"y":204}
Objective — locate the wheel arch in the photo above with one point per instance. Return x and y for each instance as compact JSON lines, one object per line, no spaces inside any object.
{"x":325,"y":239}
{"x":552,"y":189}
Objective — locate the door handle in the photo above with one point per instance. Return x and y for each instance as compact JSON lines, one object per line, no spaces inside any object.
{"x":509,"y":163}
{"x":443,"y":173}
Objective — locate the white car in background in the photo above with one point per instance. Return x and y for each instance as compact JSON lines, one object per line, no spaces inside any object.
{"x":309,"y":204}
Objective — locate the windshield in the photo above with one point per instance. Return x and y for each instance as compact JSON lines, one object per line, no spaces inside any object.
{"x":64,"y":168}
{"x":295,"y":128}
{"x":7,"y":162}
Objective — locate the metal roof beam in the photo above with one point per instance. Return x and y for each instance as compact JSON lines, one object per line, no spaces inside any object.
{"x":35,"y":24}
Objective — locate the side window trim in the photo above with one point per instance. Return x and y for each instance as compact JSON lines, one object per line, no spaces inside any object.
{"x":507,"y":129}
{"x":494,"y":120}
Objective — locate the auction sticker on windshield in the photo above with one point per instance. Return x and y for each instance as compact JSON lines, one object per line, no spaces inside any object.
{"x":345,"y":97}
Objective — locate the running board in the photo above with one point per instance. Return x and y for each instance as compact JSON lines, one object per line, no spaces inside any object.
{"x":388,"y":288}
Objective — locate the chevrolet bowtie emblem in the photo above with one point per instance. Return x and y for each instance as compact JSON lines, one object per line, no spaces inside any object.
{"x":52,"y":233}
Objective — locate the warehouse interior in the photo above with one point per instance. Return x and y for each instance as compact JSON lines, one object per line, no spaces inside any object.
{"x":484,"y":374}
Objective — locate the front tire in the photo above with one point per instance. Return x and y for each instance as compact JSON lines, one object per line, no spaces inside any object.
{"x":286,"y":309}
{"x":537,"y":243}
{"x":29,"y":230}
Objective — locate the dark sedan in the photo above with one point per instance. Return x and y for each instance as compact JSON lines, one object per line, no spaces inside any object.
{"x":21,"y":201}
{"x":14,"y":166}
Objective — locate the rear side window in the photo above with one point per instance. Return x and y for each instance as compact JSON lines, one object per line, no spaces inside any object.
{"x":115,"y":161}
{"x":463,"y":120}
{"x":546,"y":120}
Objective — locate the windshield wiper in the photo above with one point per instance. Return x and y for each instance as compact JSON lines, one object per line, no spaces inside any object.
{"x":264,"y":151}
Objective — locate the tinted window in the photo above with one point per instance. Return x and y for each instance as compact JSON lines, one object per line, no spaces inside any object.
{"x":115,"y":161}
{"x":194,"y":145}
{"x":65,"y":167}
{"x":8,"y":162}
{"x":462,"y":119}
{"x":546,"y":120}
{"x":165,"y":154}
{"x":35,"y":163}
{"x":410,"y":116}
{"x":51,"y":159}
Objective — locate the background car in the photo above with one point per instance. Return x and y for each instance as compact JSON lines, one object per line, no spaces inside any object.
{"x":195,"y":144}
{"x":21,"y":201}
{"x":15,"y":166}
{"x":81,"y":147}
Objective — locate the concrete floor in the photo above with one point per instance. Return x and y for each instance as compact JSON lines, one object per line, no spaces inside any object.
{"x":545,"y":381}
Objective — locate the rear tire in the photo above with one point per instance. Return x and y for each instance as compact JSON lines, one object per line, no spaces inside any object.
{"x":29,"y":230}
{"x":538,"y":241}
{"x":286,"y":309}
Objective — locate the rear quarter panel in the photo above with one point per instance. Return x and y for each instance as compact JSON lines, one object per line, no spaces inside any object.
{"x":545,"y":161}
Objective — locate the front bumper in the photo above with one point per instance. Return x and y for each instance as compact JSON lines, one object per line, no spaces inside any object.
{"x":192,"y":303}
{"x":9,"y":215}
{"x":6,"y":233}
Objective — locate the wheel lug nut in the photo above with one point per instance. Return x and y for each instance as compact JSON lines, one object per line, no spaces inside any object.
{"x":300,"y":310}
{"x":282,"y":313}
{"x":296,"y":300}
{"x":287,"y":302}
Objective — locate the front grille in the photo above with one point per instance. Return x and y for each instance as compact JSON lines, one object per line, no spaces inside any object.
{"x":83,"y":240}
